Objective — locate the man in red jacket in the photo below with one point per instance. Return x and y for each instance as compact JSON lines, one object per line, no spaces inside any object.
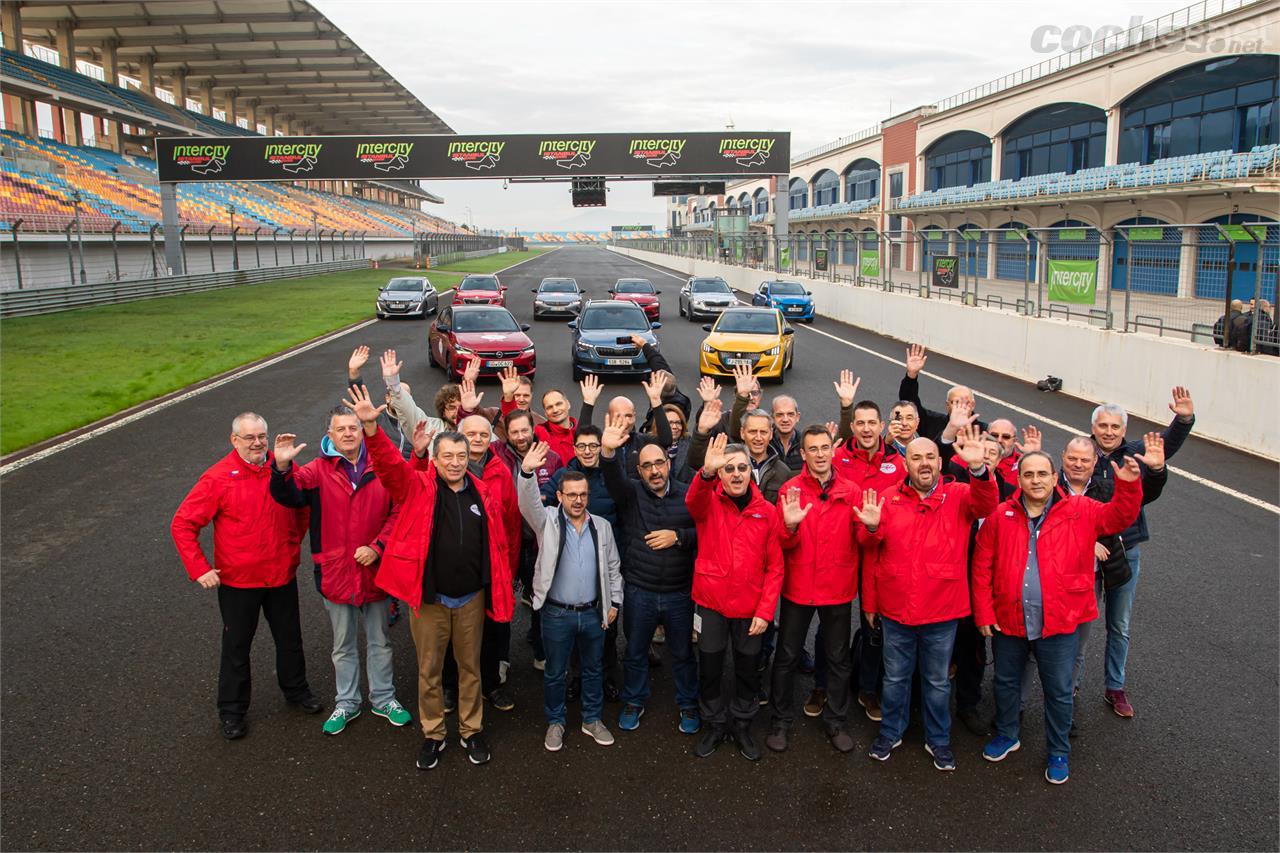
{"x":821,"y":513}
{"x":255,"y":565}
{"x":736,"y":580}
{"x":1033,"y":569}
{"x":920,"y":586}
{"x":447,"y":559}
{"x":352,"y":517}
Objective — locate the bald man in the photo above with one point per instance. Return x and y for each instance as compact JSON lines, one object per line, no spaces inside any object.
{"x":932,"y":423}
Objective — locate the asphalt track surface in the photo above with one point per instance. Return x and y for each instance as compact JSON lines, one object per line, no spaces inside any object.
{"x":109,"y":657}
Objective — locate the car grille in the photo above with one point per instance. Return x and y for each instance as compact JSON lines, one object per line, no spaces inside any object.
{"x":499,"y":353}
{"x":618,"y":352}
{"x":753,"y":357}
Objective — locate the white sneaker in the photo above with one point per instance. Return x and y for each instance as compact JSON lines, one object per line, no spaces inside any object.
{"x":555,"y":737}
{"x":598,"y":732}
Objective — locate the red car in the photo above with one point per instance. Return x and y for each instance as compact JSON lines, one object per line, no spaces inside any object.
{"x":640,"y":291}
{"x":462,"y":333}
{"x":480,"y":290}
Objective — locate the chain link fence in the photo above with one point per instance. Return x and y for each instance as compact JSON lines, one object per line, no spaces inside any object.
{"x":1145,"y":277}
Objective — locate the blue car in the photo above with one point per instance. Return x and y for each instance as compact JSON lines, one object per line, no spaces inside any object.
{"x":602,"y":339}
{"x":789,"y":297}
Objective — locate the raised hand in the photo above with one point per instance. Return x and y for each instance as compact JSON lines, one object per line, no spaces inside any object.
{"x":969,"y":447}
{"x":422,"y":439}
{"x":661,"y":377}
{"x":744,"y":380}
{"x":1031,"y":440}
{"x":915,"y":360}
{"x":472,"y":370}
{"x":792,"y":512}
{"x":470,"y":399}
{"x":590,"y":387}
{"x":1182,"y":404}
{"x":638,"y":341}
{"x":847,"y":388}
{"x":715,"y":457}
{"x":359,"y":356}
{"x":1152,"y":454}
{"x":653,"y":389}
{"x":510,"y":382}
{"x":615,"y":433}
{"x":869,"y":513}
{"x":390,"y":367}
{"x":961,"y":414}
{"x":710,"y":416}
{"x":535,"y":457}
{"x":708,"y":389}
{"x":1130,"y":471}
{"x":833,"y":429}
{"x":364,"y":409}
{"x":286,"y":450}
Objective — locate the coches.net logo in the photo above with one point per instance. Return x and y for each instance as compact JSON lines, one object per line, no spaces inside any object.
{"x":384,"y":156}
{"x":293,"y":156}
{"x":752,"y":151}
{"x":567,"y":153}
{"x":201,"y":159}
{"x":476,"y":155}
{"x":656,"y":152}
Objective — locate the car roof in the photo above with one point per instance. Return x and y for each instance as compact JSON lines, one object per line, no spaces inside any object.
{"x":475,"y":309}
{"x":547,"y":278}
{"x":750,"y":309}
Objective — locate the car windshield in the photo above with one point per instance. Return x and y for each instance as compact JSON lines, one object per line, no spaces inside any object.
{"x":559,"y":285}
{"x":787,"y":288}
{"x":710,"y":285}
{"x":481,"y":282}
{"x":405,"y":284}
{"x":484,"y":321}
{"x":628,"y":318}
{"x":748,"y":322}
{"x":634,"y":285}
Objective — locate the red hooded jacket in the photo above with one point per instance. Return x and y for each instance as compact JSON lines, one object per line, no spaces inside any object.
{"x":738,"y":570}
{"x":1064,"y":555}
{"x":821,"y":556}
{"x":255,"y":540}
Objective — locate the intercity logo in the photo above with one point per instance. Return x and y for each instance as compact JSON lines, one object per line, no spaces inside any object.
{"x":293,"y":156}
{"x":476,"y":155}
{"x":567,"y":153}
{"x":746,"y":152}
{"x":384,"y":156}
{"x":202,"y":159}
{"x":657,"y":152}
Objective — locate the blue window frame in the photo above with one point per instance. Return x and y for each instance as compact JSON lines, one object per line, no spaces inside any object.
{"x":826,"y":188}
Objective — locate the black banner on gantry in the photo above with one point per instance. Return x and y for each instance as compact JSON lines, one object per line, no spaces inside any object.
{"x":439,"y":157}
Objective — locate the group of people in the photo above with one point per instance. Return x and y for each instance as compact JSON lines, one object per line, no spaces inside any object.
{"x":1245,"y":325}
{"x":728,"y":528}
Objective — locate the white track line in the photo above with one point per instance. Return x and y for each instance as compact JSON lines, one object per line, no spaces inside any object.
{"x":231,"y":377}
{"x":1070,"y":430}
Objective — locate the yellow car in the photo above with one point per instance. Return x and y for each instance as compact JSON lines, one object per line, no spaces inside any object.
{"x":759,"y":337}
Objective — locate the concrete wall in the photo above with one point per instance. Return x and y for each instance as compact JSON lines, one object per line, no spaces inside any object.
{"x":1235,"y":394}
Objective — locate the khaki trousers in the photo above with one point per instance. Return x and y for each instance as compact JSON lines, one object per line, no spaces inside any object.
{"x":433,"y":626}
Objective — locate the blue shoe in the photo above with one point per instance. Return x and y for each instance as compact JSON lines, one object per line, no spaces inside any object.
{"x":690,"y":721}
{"x":999,"y":747}
{"x":881,"y":748}
{"x":1055,"y":773}
{"x":943,"y":757}
{"x":629,"y":719}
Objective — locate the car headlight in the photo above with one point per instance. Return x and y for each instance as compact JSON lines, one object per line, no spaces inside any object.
{"x":707,"y":348}
{"x":463,"y":351}
{"x":529,"y":350}
{"x":584,"y":347}
{"x":773,"y":351}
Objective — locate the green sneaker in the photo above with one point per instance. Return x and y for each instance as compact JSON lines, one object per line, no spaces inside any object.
{"x":338,"y":721}
{"x":394,"y":713}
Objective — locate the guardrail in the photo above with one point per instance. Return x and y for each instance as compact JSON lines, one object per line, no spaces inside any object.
{"x":50,"y":300}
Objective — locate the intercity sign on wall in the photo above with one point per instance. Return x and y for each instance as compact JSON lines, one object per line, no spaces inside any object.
{"x":635,"y":156}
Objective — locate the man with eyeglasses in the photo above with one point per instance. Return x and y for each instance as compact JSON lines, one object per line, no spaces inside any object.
{"x":737,"y":577}
{"x":1033,"y":569}
{"x":255,"y":564}
{"x":659,"y":543}
{"x":903,"y":426}
{"x":578,"y":587}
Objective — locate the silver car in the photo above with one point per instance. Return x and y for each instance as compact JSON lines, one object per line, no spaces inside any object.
{"x":557,"y":297}
{"x":410,"y":296}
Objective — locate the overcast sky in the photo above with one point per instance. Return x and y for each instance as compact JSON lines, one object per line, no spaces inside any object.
{"x":819,"y":70}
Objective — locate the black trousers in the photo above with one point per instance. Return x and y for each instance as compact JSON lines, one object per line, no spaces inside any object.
{"x":239,"y":608}
{"x":869,"y":663}
{"x":834,"y":632}
{"x":970,"y":657}
{"x":719,"y":634}
{"x":493,"y":648}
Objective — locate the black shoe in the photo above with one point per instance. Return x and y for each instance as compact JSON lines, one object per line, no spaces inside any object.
{"x":747,"y":745}
{"x":974,"y":721}
{"x":711,"y":738}
{"x":840,"y":739}
{"x":573,"y":690}
{"x":450,"y":700}
{"x":476,"y":748}
{"x":611,"y":692}
{"x":500,"y":700}
{"x":429,"y":755}
{"x":234,"y":729}
{"x":309,"y":704}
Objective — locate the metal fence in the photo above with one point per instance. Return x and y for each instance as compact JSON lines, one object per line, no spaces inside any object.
{"x":1145,"y":277}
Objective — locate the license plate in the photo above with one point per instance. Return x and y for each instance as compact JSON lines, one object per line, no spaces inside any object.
{"x":795,"y":310}
{"x":618,"y":362}
{"x":735,"y":362}
{"x":500,"y":363}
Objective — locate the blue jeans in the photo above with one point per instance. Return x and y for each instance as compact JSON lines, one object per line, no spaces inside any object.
{"x":1119,"y":608}
{"x":642,"y":612}
{"x":905,"y":646}
{"x":345,"y":620}
{"x":561,"y":630}
{"x":1055,"y":657}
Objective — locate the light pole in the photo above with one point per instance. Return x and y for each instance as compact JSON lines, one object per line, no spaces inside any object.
{"x":314,"y":219}
{"x":76,"y":199}
{"x":235,"y":252}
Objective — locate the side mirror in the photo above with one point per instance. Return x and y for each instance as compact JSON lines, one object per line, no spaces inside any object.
{"x":808,"y":293}
{"x":788,"y":331}
{"x":442,"y":327}
{"x":706,"y":327}
{"x":572,"y":324}
{"x":533,"y":290}
{"x":657,"y":293}
{"x":655,"y":326}
{"x":524,"y":327}
{"x":502,"y":287}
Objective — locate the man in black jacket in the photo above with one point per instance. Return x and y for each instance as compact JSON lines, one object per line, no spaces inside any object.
{"x":933,"y":423}
{"x":658,"y":539}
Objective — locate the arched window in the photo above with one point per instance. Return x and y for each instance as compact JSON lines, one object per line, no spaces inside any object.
{"x":799,"y":194}
{"x":826,"y":188}
{"x":862,"y":180}
{"x":762,"y":200}
{"x":1057,"y":138}
{"x":959,"y":159}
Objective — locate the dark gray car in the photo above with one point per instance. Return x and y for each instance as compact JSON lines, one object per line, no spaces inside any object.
{"x":407,"y":296}
{"x":557,"y":297}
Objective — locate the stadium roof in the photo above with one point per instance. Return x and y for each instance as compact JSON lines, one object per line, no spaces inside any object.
{"x":285,"y":53}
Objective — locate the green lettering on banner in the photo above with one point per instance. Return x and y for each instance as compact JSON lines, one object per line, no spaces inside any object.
{"x":869,"y":263}
{"x":1071,"y":234}
{"x":1073,"y":282}
{"x":1137,"y":234}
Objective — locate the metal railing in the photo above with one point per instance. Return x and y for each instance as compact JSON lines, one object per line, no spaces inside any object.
{"x":835,"y":144}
